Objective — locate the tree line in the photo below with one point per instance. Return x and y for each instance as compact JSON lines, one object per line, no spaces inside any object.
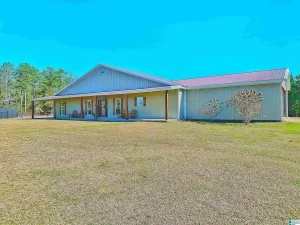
{"x":25,"y":82}
{"x":294,"y":96}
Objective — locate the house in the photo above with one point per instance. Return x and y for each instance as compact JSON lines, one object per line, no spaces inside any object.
{"x":105,"y":91}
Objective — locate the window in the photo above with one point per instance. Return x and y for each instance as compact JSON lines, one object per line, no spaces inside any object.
{"x":118,"y":106}
{"x":63,"y":108}
{"x":140,"y":101}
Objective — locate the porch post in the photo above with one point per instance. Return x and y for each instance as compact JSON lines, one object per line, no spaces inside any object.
{"x":32,"y":109}
{"x":287,"y":103}
{"x":126,"y":102}
{"x":81,"y":107}
{"x":166,"y":104}
{"x":184,"y":104}
{"x":54,"y":109}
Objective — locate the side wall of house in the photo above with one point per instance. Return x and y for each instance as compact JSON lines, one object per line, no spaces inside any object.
{"x":271,"y":105}
{"x":105,"y":79}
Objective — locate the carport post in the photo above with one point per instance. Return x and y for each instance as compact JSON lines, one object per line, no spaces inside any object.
{"x":32,"y":109}
{"x":166,"y":104}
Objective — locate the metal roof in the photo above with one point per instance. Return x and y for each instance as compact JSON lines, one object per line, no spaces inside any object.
{"x":8,"y":101}
{"x":245,"y":77}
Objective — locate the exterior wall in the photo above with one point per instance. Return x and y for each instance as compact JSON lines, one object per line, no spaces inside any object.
{"x":154,"y":109}
{"x":71,"y":105}
{"x":271,"y":105}
{"x":109,"y":80}
{"x":180,"y":104}
{"x":155,"y":105}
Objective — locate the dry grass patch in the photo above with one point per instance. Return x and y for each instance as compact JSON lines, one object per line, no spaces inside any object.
{"x":74,"y":172}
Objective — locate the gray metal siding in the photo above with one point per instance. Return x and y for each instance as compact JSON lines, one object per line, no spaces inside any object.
{"x":109,"y":80}
{"x":180,"y":104}
{"x":271,"y":105}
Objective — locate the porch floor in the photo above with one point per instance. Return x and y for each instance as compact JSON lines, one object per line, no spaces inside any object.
{"x":104,"y":119}
{"x":110,"y":119}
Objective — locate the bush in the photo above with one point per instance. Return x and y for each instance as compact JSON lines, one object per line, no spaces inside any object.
{"x":247,"y":104}
{"x":211,"y":109}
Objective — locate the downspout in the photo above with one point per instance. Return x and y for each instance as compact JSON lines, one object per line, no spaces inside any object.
{"x":184,"y":104}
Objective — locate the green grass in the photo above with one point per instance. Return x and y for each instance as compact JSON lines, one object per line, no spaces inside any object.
{"x":74,"y":172}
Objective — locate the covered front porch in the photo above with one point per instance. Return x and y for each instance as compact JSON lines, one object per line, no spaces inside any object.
{"x":153,"y":104}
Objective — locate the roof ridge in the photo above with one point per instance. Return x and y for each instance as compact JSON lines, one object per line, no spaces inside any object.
{"x":226,"y":74}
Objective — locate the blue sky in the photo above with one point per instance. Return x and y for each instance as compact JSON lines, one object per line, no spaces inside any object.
{"x":171,"y":39}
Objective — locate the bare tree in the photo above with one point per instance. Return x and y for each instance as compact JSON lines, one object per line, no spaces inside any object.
{"x":247,"y":104}
{"x":211,"y":109}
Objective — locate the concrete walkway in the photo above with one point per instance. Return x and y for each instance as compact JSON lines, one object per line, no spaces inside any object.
{"x":291,"y":119}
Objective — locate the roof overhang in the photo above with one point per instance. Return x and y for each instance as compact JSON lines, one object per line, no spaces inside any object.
{"x":237,"y":84}
{"x":144,"y":90}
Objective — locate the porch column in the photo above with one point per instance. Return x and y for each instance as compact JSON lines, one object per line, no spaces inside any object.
{"x":166,"y":105}
{"x":32,"y":109}
{"x":287,"y":104}
{"x":126,"y":102}
{"x":81,"y":107}
{"x":184,"y":104}
{"x":54,"y":109}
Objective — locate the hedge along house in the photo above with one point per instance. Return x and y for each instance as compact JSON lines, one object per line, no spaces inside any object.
{"x":106,"y":91}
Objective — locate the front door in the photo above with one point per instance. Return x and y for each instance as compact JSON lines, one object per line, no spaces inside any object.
{"x":88,"y":107}
{"x":102,"y":112}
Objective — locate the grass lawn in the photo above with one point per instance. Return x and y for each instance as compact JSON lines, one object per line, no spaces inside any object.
{"x":73,"y":172}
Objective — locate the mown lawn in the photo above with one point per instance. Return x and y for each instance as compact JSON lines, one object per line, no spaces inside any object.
{"x":73,"y":172}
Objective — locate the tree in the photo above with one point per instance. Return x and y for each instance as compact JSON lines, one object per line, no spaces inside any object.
{"x":294,"y":95}
{"x":26,"y":83}
{"x":247,"y":104}
{"x":296,"y":108}
{"x":211,"y":109}
{"x":6,"y":71}
{"x":52,"y":81}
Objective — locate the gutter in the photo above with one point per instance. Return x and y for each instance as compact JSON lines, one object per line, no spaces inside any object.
{"x":144,"y":90}
{"x":236,"y":84}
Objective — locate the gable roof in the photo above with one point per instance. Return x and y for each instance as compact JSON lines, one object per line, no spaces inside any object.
{"x":130,"y":72}
{"x":265,"y":76}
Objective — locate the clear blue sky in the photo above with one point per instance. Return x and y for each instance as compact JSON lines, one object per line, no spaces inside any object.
{"x":171,"y":39}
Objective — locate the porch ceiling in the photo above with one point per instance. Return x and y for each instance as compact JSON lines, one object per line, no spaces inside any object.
{"x":111,"y":93}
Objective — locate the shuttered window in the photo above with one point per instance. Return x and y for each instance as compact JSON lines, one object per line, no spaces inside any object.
{"x":140,"y":101}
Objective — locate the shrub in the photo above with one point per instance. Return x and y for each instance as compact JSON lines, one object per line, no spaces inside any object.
{"x":247,"y":104}
{"x":211,"y":109}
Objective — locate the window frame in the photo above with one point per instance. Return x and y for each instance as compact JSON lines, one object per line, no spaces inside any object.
{"x":139,"y":101}
{"x":63,"y":107}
